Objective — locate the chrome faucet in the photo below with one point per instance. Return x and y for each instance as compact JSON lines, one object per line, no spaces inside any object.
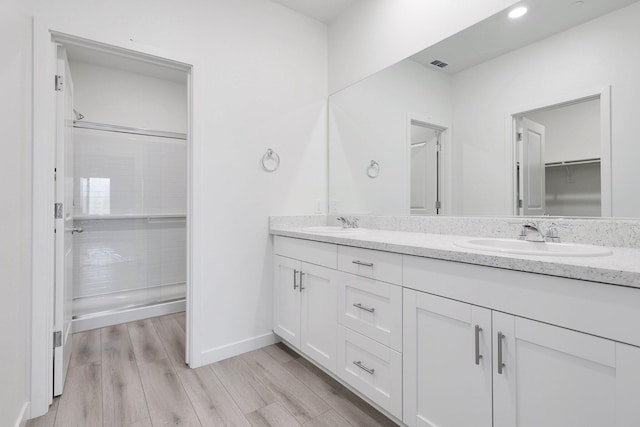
{"x":349,"y":221}
{"x":530,"y":232}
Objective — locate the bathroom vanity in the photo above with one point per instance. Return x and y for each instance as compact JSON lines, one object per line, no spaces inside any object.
{"x":435,"y":334}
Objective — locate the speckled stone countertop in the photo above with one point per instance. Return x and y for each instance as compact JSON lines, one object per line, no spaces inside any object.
{"x":622,"y":267}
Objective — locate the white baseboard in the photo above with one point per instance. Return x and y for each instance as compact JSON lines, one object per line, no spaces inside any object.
{"x":235,"y":348}
{"x":23,"y":417}
{"x":130,"y":315}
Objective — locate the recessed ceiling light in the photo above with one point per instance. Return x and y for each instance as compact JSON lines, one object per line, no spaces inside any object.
{"x":517,"y":12}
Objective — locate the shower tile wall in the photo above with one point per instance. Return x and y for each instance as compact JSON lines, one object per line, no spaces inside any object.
{"x":130,"y":199}
{"x":124,"y":174}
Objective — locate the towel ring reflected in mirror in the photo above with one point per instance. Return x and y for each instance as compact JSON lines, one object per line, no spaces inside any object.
{"x":373,"y":169}
{"x":270,"y":161}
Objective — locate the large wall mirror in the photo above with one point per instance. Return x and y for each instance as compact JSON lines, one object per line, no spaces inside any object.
{"x":528,"y":116}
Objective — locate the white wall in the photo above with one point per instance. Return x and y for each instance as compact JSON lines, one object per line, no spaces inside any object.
{"x":113,"y":96}
{"x":593,"y":55}
{"x":259,"y":81}
{"x":15,"y":213}
{"x":572,"y":132}
{"x":374,"y":34}
{"x":370,"y":121}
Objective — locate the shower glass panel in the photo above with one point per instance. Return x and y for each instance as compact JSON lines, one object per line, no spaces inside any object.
{"x":130,"y":200}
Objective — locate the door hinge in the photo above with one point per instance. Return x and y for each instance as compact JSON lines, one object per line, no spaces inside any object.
{"x":59,"y":83}
{"x":57,"y":339}
{"x":438,"y":148}
{"x":438,"y":204}
{"x":519,"y":135}
{"x":57,"y":210}
{"x":520,"y":203}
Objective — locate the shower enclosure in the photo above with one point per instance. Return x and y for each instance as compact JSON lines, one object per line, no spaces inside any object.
{"x":129,"y":190}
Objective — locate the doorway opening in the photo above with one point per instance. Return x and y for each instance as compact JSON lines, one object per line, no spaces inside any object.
{"x":121,"y":190}
{"x":425,"y":168}
{"x":562,"y":158}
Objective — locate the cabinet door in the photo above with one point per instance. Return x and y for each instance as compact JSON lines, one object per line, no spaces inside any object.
{"x":555,"y":377}
{"x":319,"y":314}
{"x":447,"y":362}
{"x":286,"y":300}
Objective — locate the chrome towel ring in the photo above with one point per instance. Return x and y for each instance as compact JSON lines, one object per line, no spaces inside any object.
{"x":270,"y":161}
{"x":373,"y":169}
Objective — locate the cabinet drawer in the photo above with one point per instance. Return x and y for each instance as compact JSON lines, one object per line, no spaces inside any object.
{"x":372,"y":308}
{"x":319,"y":253}
{"x":371,"y":368}
{"x":378,"y":265}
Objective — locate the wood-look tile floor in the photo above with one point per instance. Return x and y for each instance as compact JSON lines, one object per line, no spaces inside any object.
{"x":133,"y":375}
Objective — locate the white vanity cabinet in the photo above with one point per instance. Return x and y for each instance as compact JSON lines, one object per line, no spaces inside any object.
{"x":446,"y":362}
{"x":446,"y":344}
{"x":305,"y":299}
{"x":556,"y":377}
{"x":466,"y":364}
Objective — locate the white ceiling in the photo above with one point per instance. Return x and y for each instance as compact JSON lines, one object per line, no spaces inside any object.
{"x":322,"y":10}
{"x":499,"y":34}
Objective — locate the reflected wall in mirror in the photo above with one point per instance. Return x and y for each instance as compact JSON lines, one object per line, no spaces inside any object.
{"x":480,"y":101}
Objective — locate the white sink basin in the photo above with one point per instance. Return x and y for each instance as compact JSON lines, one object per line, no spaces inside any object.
{"x":329,"y":229}
{"x":512,"y":246}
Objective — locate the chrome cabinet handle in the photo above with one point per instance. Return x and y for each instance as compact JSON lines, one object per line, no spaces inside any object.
{"x":364,"y":368}
{"x":295,"y":285}
{"x":362,"y":307}
{"x":301,"y":274}
{"x":478,"y":355}
{"x":76,"y":230}
{"x":500,"y":362}
{"x":364,"y":264}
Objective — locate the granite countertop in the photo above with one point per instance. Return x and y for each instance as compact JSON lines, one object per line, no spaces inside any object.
{"x":622,"y":267}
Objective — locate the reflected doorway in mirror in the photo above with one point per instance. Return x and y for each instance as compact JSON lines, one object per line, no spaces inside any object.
{"x":425,"y":167}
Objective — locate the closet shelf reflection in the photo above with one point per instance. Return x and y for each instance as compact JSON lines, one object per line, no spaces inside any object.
{"x":572,"y":163}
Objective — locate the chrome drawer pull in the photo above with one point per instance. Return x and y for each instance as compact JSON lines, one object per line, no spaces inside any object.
{"x":364,"y":264}
{"x":362,"y":307}
{"x":364,"y":368}
{"x":501,"y":364}
{"x":295,"y":285}
{"x":478,"y":355}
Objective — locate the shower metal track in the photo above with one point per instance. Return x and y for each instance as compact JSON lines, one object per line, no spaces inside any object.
{"x":130,"y":130}
{"x":125,"y":308}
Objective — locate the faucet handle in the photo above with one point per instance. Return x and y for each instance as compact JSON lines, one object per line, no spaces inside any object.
{"x":552,"y":232}
{"x":354,"y":221}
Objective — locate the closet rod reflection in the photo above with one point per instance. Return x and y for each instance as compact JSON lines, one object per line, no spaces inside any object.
{"x":126,"y":129}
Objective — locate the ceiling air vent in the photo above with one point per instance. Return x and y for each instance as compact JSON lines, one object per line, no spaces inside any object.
{"x":439,"y":63}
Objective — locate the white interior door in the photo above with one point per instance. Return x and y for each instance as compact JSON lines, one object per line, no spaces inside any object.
{"x":532,"y":168}
{"x":63,"y":288}
{"x":424,"y":176}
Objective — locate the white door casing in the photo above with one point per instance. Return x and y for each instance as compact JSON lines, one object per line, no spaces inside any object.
{"x":63,"y":283}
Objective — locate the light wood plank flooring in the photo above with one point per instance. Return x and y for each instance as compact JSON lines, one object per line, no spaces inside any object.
{"x":133,"y":375}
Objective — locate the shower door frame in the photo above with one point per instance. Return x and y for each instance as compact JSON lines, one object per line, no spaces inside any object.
{"x":45,"y":40}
